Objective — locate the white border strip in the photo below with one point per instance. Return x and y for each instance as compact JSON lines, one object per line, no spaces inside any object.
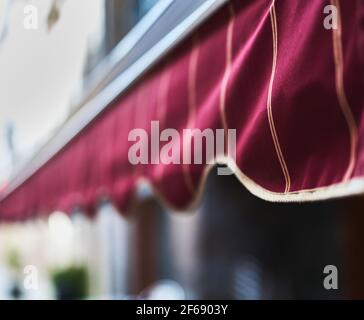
{"x":99,"y":76}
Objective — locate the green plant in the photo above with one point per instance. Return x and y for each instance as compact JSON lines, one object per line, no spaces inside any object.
{"x":71,"y":283}
{"x":13,"y":260}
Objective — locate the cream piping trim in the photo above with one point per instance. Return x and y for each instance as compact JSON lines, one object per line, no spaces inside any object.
{"x":228,"y":67}
{"x":163,"y":90}
{"x":337,"y":190}
{"x":340,"y":90}
{"x":192,"y":104}
{"x":272,"y":126}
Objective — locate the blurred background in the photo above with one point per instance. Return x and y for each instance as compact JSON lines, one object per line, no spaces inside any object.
{"x":234,"y":246}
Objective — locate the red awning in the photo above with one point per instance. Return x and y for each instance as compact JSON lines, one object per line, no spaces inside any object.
{"x":291,"y":88}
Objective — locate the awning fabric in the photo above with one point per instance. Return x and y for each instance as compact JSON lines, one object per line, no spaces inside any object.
{"x":292,"y":89}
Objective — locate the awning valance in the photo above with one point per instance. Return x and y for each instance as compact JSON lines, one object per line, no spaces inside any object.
{"x":291,"y":87}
